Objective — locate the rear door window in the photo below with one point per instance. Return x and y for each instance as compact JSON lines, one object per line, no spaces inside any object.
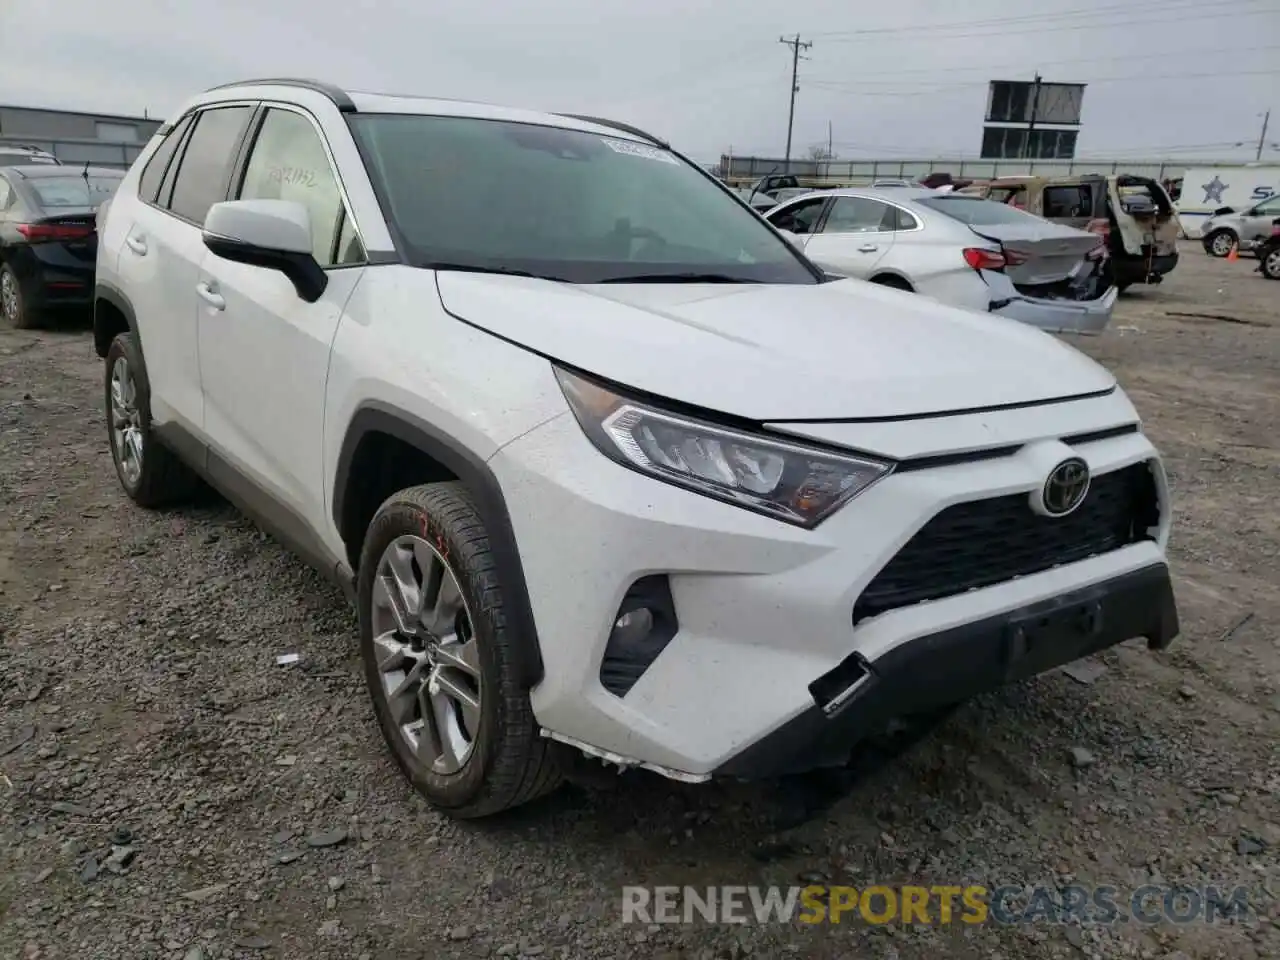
{"x":897,"y":219}
{"x":153,"y":173}
{"x":206,"y":162}
{"x":1067,"y":202}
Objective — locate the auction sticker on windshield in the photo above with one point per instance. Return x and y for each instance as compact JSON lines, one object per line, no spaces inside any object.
{"x":638,"y":150}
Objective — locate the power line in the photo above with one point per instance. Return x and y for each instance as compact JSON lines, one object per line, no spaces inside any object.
{"x":1048,"y":28}
{"x":855,"y":86}
{"x":1044,"y":18}
{"x":796,"y":45}
{"x":992,"y":70}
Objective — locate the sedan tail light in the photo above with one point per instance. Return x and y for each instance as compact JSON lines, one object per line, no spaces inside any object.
{"x":981,"y":258}
{"x":37,"y":232}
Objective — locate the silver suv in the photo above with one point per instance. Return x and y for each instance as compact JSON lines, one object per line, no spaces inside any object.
{"x":1228,"y":229}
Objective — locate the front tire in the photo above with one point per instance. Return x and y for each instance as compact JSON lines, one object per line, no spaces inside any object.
{"x":441,"y":657}
{"x":1219,"y":243}
{"x":151,"y":474}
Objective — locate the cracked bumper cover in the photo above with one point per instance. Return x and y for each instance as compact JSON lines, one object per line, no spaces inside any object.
{"x":941,"y":669}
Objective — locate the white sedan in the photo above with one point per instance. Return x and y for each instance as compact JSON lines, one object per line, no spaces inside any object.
{"x":958,"y":249}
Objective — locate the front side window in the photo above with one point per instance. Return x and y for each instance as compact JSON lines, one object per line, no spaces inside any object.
{"x":289,"y":162}
{"x":799,"y":217}
{"x":1269,"y":206}
{"x":855,"y":215}
{"x":562,"y":204}
{"x":206,"y":162}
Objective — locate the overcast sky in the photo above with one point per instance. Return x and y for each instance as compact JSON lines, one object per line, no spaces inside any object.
{"x":1182,"y":78}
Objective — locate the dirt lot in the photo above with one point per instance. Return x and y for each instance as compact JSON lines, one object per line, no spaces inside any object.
{"x":141,"y":705}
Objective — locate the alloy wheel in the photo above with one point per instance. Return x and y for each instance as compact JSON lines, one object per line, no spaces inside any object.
{"x":1271,"y":265}
{"x":8,"y":296}
{"x":1222,"y":244}
{"x":126,"y":422}
{"x":427,"y":656}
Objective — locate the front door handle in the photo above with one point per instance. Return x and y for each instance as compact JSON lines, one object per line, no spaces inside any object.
{"x":868,"y":248}
{"x":137,"y":244}
{"x":210,"y":296}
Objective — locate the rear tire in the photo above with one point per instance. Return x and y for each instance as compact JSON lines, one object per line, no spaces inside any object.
{"x":151,"y":474}
{"x":443,"y":675}
{"x":1270,"y":265}
{"x":1219,"y":243}
{"x":14,"y":309}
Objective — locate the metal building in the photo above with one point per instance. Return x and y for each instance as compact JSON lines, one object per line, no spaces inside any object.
{"x":103,"y":139}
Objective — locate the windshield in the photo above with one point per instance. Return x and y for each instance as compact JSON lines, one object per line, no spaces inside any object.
{"x":976,"y":211}
{"x":73,"y":191}
{"x":561,"y":204}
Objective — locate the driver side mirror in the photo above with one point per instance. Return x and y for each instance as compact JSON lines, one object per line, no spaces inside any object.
{"x":273,"y":234}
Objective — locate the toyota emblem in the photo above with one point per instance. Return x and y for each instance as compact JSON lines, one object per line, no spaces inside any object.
{"x":1065,"y":488}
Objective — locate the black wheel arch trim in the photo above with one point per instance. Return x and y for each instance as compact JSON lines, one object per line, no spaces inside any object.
{"x":116,"y":297}
{"x":480,"y":481}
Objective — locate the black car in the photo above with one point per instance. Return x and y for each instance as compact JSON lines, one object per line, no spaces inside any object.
{"x":48,"y":237}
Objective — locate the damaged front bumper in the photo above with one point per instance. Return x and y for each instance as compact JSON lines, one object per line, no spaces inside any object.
{"x":941,"y":669}
{"x":1085,"y":304}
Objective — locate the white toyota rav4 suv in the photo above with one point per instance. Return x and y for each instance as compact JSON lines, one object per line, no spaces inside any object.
{"x":608,"y":467}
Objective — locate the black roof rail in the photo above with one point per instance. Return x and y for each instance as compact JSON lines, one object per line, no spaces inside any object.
{"x":339,"y":96}
{"x":624,"y":127}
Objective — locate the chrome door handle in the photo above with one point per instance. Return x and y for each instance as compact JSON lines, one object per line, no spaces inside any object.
{"x":137,"y":244}
{"x":210,"y":296}
{"x":868,"y":248}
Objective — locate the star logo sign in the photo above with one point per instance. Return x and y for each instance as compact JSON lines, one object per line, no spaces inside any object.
{"x":1213,"y":189}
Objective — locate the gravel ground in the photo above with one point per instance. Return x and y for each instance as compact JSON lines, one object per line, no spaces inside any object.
{"x":168,"y":791}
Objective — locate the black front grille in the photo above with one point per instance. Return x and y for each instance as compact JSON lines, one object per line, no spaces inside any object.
{"x":985,"y":542}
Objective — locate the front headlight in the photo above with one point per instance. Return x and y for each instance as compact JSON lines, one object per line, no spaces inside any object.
{"x":798,"y":484}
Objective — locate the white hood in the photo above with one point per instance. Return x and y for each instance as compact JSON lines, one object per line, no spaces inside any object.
{"x":842,"y":350}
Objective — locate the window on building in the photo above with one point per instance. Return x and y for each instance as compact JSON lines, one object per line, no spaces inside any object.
{"x":116,"y":132}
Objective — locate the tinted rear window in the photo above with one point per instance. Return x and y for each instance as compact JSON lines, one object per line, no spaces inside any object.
{"x":974,"y":210}
{"x":53,"y":192}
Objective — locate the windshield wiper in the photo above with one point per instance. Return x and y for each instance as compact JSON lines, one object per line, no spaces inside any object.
{"x":476,"y":268}
{"x":679,"y":278}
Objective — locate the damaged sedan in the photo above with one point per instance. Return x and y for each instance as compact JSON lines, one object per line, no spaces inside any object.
{"x":961,"y":250}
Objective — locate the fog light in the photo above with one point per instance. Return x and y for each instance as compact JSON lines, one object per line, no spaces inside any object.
{"x":632,"y":627}
{"x":645,"y":624}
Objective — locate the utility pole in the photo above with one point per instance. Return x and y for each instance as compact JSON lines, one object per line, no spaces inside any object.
{"x":830,"y":145}
{"x":1031,"y":125}
{"x":796,"y":45}
{"x":1266,"y":119}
